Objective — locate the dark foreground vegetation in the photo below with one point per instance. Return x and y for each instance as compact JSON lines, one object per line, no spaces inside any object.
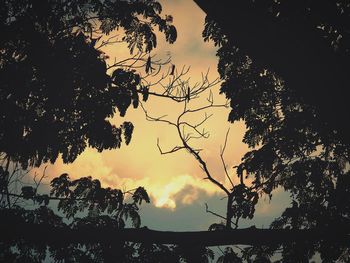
{"x":58,"y":93}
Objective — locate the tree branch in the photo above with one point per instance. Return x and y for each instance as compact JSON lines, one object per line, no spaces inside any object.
{"x":175,"y":149}
{"x":223,"y":160}
{"x":220,"y":216}
{"x":42,"y":233}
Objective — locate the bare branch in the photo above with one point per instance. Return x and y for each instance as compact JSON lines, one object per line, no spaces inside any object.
{"x":175,"y":149}
{"x":37,"y":183}
{"x":223,"y":160}
{"x":215,"y":214}
{"x":177,"y":88}
{"x":109,"y":41}
{"x":159,"y":119}
{"x":179,"y":124}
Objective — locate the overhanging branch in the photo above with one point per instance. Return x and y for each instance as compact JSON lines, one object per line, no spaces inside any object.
{"x":249,"y":236}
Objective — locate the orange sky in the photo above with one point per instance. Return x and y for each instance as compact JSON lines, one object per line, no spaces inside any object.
{"x":167,"y":178}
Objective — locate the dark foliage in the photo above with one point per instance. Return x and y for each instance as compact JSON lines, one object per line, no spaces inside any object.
{"x":229,"y":256}
{"x":56,"y":97}
{"x":86,"y":205}
{"x":55,"y":94}
{"x":292,"y":145}
{"x":306,"y":43}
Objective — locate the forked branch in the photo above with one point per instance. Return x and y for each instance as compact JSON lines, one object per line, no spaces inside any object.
{"x":187,"y":131}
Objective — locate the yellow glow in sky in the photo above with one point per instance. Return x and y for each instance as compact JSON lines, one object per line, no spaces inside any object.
{"x":141,"y":164}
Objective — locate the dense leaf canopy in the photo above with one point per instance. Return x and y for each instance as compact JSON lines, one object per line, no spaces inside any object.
{"x":304,"y":42}
{"x":56,"y":96}
{"x":85,"y":208}
{"x":292,"y":145}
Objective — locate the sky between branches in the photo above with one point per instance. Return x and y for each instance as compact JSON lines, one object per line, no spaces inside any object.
{"x":174,"y":182}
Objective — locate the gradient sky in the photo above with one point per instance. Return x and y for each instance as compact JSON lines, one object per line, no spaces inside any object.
{"x":175,"y":182}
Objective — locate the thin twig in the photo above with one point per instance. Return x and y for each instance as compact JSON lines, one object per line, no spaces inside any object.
{"x":213,"y":213}
{"x":223,"y":160}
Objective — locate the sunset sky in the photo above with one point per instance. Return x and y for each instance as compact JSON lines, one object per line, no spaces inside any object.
{"x":175,"y":181}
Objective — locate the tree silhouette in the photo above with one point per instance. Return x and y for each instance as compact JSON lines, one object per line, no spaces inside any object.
{"x":80,"y":221}
{"x":104,"y":209}
{"x":293,"y":143}
{"x":241,"y":200}
{"x":57,"y":91}
{"x":56,"y":96}
{"x":304,"y":42}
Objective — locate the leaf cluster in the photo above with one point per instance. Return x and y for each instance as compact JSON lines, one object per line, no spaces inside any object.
{"x":291,"y":146}
{"x":55,"y":94}
{"x":81,"y":204}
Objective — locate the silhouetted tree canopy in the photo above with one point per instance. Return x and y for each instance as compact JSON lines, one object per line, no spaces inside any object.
{"x":293,"y":145}
{"x":56,"y":96}
{"x":86,"y":209}
{"x":306,"y":43}
{"x":104,"y":208}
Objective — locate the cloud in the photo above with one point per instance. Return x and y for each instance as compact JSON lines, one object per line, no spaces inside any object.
{"x":165,"y":190}
{"x":181,"y":189}
{"x":174,"y":181}
{"x":194,"y":216}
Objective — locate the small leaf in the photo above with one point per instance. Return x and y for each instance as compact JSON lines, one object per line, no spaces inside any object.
{"x":145,"y":93}
{"x":140,"y":194}
{"x":28,"y":192}
{"x":128,"y":128}
{"x":148,"y":64}
{"x":135,"y":218}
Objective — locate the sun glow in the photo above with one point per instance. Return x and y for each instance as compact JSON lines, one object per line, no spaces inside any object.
{"x":174,"y":178}
{"x":183,"y":188}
